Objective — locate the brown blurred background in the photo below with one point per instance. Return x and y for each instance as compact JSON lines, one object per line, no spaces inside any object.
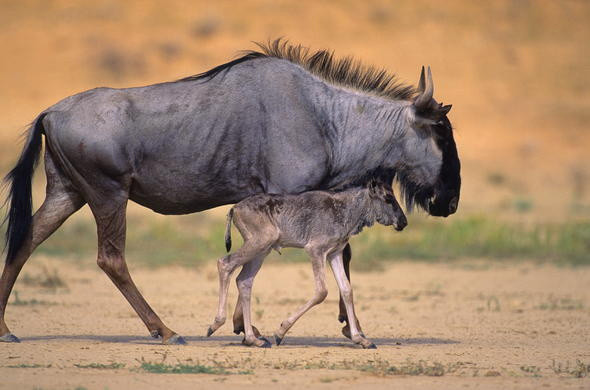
{"x":517,"y":73}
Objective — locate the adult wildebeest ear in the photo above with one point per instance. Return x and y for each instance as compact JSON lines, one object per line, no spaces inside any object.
{"x":444,"y":110}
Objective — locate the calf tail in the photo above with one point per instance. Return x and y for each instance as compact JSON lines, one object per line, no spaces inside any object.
{"x":20,"y":195}
{"x":230,"y":216}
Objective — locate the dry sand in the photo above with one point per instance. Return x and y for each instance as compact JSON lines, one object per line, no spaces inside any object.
{"x":490,"y":326}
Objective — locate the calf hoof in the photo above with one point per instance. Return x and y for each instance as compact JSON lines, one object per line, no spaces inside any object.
{"x":366,"y":344}
{"x":266,"y":343}
{"x":9,"y":338}
{"x":260,"y":342}
{"x":210,"y":332}
{"x":346,"y":332}
{"x":278,"y":340}
{"x":240,"y":329}
{"x":175,"y":340}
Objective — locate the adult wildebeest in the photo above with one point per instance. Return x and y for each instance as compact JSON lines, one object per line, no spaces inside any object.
{"x":282,"y":120}
{"x":321,"y":222}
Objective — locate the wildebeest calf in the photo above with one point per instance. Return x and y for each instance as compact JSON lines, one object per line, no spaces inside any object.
{"x":321,"y":222}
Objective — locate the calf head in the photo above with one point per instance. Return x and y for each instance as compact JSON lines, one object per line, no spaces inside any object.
{"x":387,"y":210}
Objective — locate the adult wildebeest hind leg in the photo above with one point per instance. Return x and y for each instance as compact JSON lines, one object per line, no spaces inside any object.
{"x":66,"y":193}
{"x":60,"y":202}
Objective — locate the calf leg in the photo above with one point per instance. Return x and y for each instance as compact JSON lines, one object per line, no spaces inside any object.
{"x":238,"y":319}
{"x":225,"y":267}
{"x":110,"y":222}
{"x":346,"y":292}
{"x":321,"y":292}
{"x":245,"y":281}
{"x":342,"y":317}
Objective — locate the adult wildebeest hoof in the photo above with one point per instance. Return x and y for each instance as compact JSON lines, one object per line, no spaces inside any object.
{"x":9,"y":338}
{"x":278,"y":340}
{"x":175,"y":340}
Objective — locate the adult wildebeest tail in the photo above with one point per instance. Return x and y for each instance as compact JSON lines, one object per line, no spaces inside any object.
{"x":230,"y":216}
{"x":20,"y":196}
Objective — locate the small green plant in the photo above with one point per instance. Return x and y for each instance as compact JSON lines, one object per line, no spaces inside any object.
{"x":47,"y":279}
{"x":163,"y":368}
{"x":523,"y":205}
{"x":100,"y":366}
{"x":34,"y":365}
{"x":564,"y":303}
{"x":416,"y":368}
{"x":31,"y":302}
{"x":259,"y":313}
{"x":578,"y":370}
{"x":534,"y":370}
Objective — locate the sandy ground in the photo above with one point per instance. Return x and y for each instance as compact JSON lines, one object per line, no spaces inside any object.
{"x":489,"y":326}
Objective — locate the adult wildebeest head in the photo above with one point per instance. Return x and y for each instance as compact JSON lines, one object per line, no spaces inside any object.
{"x":439,"y":193}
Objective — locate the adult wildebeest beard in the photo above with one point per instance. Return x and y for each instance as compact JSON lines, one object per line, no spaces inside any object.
{"x":282,"y":120}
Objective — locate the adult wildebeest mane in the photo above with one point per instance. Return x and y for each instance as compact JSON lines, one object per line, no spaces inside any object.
{"x":346,"y":71}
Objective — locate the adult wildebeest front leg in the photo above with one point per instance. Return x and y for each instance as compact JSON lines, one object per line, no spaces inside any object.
{"x":110,"y":221}
{"x":318,"y":259}
{"x":60,"y":202}
{"x":342,"y":316}
{"x":336,"y":262}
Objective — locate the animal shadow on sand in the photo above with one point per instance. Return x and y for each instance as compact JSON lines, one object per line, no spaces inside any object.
{"x":234,"y":341}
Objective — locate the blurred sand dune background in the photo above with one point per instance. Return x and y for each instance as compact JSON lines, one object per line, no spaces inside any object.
{"x":517,"y":73}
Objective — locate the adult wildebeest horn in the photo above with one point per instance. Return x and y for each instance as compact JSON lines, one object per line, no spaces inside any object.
{"x":422,"y":82}
{"x":426,"y":89}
